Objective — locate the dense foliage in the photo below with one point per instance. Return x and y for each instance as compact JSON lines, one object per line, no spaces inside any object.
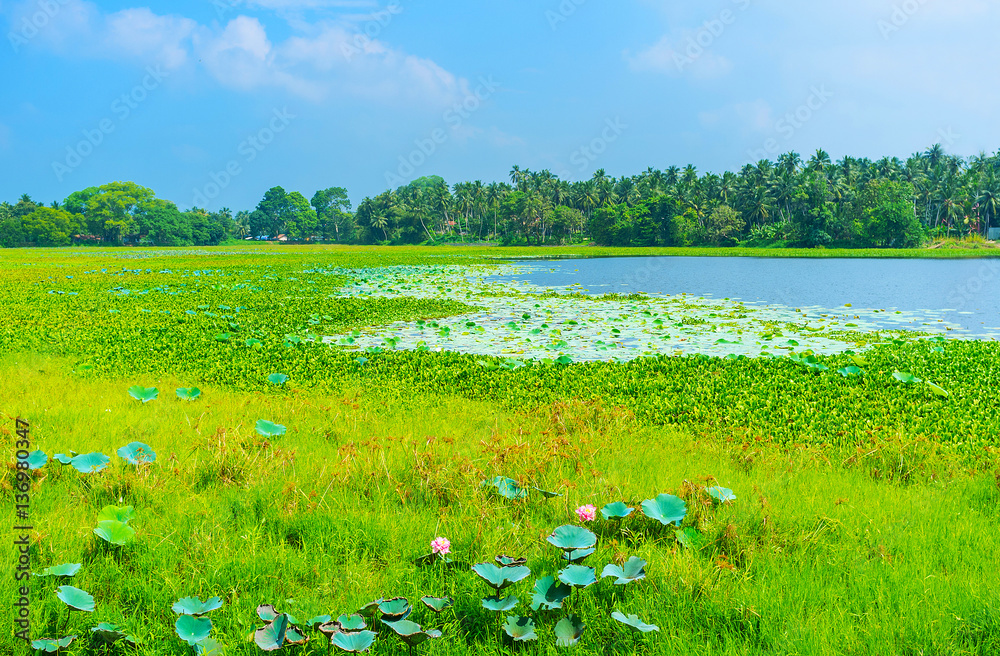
{"x":851,"y":203}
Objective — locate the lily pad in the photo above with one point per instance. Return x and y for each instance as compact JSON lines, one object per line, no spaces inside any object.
{"x":66,"y":569}
{"x":847,"y":372}
{"x":351,"y":622}
{"x":520,"y":629}
{"x":144,"y":394}
{"x":117,"y":533}
{"x":188,"y":393}
{"x":616,"y":510}
{"x":578,"y":576}
{"x":353,"y":642}
{"x":65,"y":459}
{"x":549,"y":594}
{"x":721,"y":494}
{"x":270,"y":429}
{"x":208,"y":647}
{"x":570,"y":538}
{"x":319,"y":619}
{"x":497,"y":604}
{"x":137,"y":453}
{"x":75,"y":598}
{"x":905,"y":377}
{"x":90,"y":462}
{"x":437,"y":604}
{"x":195,"y":606}
{"x":634,"y":569}
{"x":123,"y":514}
{"x":577,"y":555}
{"x":277,"y":379}
{"x":937,"y":389}
{"x":568,"y":631}
{"x":666,"y":509}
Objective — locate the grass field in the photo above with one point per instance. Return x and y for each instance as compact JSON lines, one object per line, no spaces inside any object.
{"x":864,"y":520}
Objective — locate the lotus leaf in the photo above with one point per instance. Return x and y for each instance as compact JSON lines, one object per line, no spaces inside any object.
{"x":277,"y":379}
{"x":65,"y":459}
{"x":90,"y":462}
{"x":294,"y":637}
{"x":577,"y":555}
{"x":509,"y":561}
{"x":569,"y":538}
{"x":938,"y":390}
{"x":75,"y":598}
{"x":371,"y":609}
{"x":634,"y":623}
{"x":208,"y":647}
{"x":188,"y":393}
{"x":269,"y":429}
{"x":721,"y":494}
{"x":520,"y":628}
{"x":507,"y":487}
{"x":144,"y":394}
{"x":500,"y":577}
{"x":498,"y":604}
{"x":545,"y":493}
{"x":395,"y":609}
{"x":905,"y":377}
{"x":847,"y":372}
{"x":329,"y":628}
{"x":195,"y":606}
{"x":115,"y":532}
{"x":578,"y":576}
{"x":108,"y":634}
{"x":123,"y":514}
{"x":51,"y":645}
{"x":437,"y":604}
{"x":272,"y":636}
{"x":267,"y":612}
{"x":316,"y":621}
{"x":633,"y":570}
{"x":36,"y":459}
{"x":66,"y":569}
{"x":549,"y":594}
{"x":689,"y":538}
{"x":411,"y":633}
{"x":616,"y":510}
{"x":568,"y":631}
{"x":666,"y":509}
{"x":353,"y":642}
{"x":136,"y":453}
{"x":351,"y":622}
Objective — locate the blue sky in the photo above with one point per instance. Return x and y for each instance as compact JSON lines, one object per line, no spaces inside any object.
{"x":211,"y":102}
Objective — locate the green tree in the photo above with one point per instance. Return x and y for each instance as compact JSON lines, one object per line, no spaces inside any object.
{"x":333,"y":215}
{"x":888,"y":217}
{"x":722,"y":226}
{"x":47,"y":226}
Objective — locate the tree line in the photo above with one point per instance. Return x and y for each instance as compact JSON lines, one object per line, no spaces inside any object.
{"x":853,"y":202}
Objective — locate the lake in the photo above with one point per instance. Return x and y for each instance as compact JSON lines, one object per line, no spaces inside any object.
{"x":964,"y":294}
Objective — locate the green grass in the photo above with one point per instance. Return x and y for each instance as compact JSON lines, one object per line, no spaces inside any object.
{"x":864,"y":524}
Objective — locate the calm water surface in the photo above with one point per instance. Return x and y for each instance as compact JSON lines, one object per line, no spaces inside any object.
{"x":964,"y":294}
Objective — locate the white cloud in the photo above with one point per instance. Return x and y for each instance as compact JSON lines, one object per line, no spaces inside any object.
{"x":320,"y":60}
{"x":680,"y":54}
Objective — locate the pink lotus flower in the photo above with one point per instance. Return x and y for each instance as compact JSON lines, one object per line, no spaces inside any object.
{"x":586,"y":513}
{"x":440,"y":546}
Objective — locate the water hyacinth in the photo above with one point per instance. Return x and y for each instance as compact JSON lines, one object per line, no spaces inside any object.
{"x":586,"y":513}
{"x":441,"y":546}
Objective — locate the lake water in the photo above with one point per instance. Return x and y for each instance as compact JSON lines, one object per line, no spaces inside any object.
{"x":918,"y":294}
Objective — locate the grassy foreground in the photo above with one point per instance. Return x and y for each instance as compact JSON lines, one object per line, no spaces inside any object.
{"x":877,"y":540}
